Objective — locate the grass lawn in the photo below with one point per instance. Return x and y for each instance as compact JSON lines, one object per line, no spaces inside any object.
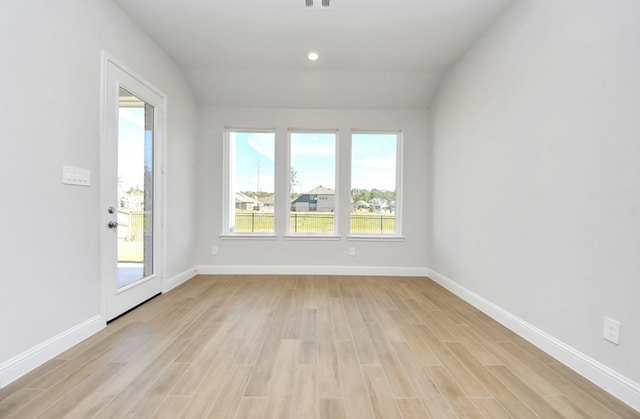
{"x":316,"y":222}
{"x":130,"y":251}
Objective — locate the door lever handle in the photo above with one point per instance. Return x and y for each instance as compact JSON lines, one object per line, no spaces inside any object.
{"x":112,"y":224}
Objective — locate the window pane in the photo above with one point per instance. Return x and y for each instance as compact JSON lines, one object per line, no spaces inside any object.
{"x":251,"y":164}
{"x":312,"y":178}
{"x":373,"y":183}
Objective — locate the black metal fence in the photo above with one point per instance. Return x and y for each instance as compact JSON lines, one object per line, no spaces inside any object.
{"x":315,"y":222}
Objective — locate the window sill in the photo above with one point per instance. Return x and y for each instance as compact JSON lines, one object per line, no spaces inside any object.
{"x":248,"y":236}
{"x":320,"y":237}
{"x":375,"y":238}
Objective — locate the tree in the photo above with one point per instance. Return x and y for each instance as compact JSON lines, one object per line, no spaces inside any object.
{"x":293,"y":177}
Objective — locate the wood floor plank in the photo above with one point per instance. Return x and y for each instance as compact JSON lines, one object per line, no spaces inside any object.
{"x":294,"y":316}
{"x":205,"y":387}
{"x":524,"y":392}
{"x":215,"y":358}
{"x":450,"y":389}
{"x":480,"y":351}
{"x":228,"y":401}
{"x":77,"y":375}
{"x":339,"y":319}
{"x":17,"y":400}
{"x":282,"y":380}
{"x":426,"y":389}
{"x":68,"y":401}
{"x":251,"y":408}
{"x":332,"y":408}
{"x":172,"y":407}
{"x":356,"y":406}
{"x":261,"y":375}
{"x":309,"y":337}
{"x":359,"y":335}
{"x":132,"y":393}
{"x":420,"y":348}
{"x":412,"y":409}
{"x":491,"y":408}
{"x":329,"y":380}
{"x":567,"y":408}
{"x":148,"y":404}
{"x":305,"y":398}
{"x":470,"y":384}
{"x":90,"y":405}
{"x":511,"y":403}
{"x":383,"y":403}
{"x":399,"y":381}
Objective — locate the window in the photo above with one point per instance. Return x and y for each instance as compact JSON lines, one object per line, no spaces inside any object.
{"x":312,"y":181}
{"x":374,"y":183}
{"x":250,"y":206}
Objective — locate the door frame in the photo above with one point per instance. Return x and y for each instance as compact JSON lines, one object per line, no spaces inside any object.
{"x":108,"y":254}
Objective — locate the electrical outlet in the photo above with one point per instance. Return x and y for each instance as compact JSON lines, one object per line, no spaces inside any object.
{"x":611,"y":331}
{"x":352,"y":251}
{"x":214,"y":250}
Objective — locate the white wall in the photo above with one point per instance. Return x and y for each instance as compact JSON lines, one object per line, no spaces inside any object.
{"x":49,"y":117}
{"x":536,"y":172}
{"x":270,"y":253}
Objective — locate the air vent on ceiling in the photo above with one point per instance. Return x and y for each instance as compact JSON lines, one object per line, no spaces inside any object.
{"x":318,"y":3}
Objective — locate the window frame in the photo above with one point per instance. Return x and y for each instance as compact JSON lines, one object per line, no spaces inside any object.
{"x":228,"y":202}
{"x":398,"y":234}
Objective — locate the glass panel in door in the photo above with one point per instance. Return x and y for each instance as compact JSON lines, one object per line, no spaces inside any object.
{"x":135,"y":189}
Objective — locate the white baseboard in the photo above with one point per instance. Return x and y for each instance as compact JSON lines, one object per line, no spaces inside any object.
{"x":179,"y":279}
{"x":21,"y":364}
{"x":309,"y":270}
{"x":611,"y":381}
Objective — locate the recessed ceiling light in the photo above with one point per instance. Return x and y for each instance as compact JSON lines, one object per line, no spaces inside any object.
{"x":321,"y":3}
{"x":313,"y":56}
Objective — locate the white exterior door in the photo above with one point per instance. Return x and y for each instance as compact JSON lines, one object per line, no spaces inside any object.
{"x":131,"y":176}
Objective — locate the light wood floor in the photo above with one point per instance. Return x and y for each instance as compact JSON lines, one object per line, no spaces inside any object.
{"x":306,"y":347}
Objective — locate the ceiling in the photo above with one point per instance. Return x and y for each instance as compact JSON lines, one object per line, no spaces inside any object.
{"x":373,"y":53}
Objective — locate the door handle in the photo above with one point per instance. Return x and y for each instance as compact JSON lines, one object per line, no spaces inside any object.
{"x":112,"y":224}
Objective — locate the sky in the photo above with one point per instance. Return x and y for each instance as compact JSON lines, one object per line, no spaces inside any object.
{"x":131,"y":147}
{"x":313,"y":159}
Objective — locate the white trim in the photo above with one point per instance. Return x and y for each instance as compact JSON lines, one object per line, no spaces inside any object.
{"x":611,"y":381}
{"x":21,"y":364}
{"x":179,"y":279}
{"x":374,"y":238}
{"x":309,"y":270}
{"x":252,"y":236}
{"x":311,"y":236}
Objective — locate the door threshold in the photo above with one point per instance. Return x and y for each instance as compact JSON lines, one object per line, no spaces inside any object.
{"x":132,"y":308}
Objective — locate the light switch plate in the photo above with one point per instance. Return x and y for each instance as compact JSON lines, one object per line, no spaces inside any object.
{"x":76,"y":176}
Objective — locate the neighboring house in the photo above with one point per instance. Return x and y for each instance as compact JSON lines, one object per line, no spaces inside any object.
{"x":133,"y":201}
{"x":245,"y":202}
{"x":362,"y":205}
{"x":318,"y":199}
{"x":380,"y":204}
{"x":266,"y":203}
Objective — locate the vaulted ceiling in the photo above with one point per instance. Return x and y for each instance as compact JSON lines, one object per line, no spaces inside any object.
{"x":373,"y":53}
